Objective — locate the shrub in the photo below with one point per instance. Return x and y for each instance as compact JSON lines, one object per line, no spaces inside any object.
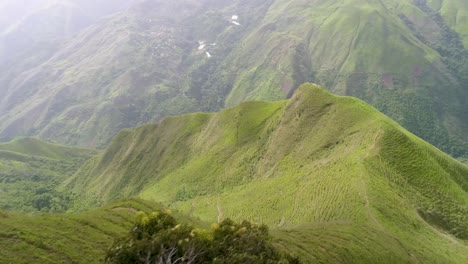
{"x":159,"y":238}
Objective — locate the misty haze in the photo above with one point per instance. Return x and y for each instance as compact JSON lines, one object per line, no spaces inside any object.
{"x":241,"y":131}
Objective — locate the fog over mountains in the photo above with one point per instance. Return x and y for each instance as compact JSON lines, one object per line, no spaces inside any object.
{"x":77,"y":72}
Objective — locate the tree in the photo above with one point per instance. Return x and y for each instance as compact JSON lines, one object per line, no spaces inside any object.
{"x":245,"y":243}
{"x":158,"y":238}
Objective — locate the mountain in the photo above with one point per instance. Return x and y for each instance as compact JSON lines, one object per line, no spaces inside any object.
{"x":455,"y":13}
{"x":121,"y":72}
{"x":159,"y":58}
{"x":394,"y":54}
{"x":336,"y":179}
{"x":30,"y":171}
{"x":33,"y":28}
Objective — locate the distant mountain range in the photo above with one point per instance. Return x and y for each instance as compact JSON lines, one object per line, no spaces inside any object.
{"x":77,"y":72}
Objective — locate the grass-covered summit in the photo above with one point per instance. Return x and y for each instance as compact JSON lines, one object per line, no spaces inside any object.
{"x":338,"y":180}
{"x":77,"y":72}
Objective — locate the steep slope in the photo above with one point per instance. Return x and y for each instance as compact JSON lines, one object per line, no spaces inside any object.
{"x":31,"y":29}
{"x":162,"y":58}
{"x":455,"y":14}
{"x":328,"y":171}
{"x":126,"y":70}
{"x":396,"y":55}
{"x":31,"y":169}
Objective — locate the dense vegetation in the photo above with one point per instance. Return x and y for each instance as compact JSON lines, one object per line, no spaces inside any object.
{"x":159,"y":238}
{"x":450,"y":46}
{"x":161,"y":58}
{"x":30,"y":171}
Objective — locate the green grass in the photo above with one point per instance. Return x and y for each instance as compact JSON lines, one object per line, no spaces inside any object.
{"x":381,"y":52}
{"x":36,"y":147}
{"x":67,"y":238}
{"x":455,"y":13}
{"x":324,"y":171}
{"x":31,"y":169}
{"x":117,"y":74}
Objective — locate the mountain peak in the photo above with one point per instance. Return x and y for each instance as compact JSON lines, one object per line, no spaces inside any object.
{"x":146,"y":62}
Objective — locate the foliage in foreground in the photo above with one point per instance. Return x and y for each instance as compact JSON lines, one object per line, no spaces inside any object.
{"x":158,"y":238}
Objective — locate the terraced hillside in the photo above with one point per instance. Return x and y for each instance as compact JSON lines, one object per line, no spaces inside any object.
{"x":161,"y":58}
{"x":31,"y":169}
{"x":336,"y":178}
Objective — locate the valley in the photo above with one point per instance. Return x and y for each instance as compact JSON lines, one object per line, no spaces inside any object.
{"x":144,"y":63}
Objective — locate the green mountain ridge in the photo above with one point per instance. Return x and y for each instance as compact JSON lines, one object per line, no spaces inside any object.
{"x":30,"y":171}
{"x":335,"y":178}
{"x":159,"y":58}
{"x":382,"y":52}
{"x":39,"y":148}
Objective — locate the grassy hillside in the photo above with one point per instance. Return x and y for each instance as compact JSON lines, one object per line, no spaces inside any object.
{"x":31,"y":169}
{"x":162,"y":58}
{"x":128,"y":69}
{"x":338,"y":180}
{"x":39,"y":148}
{"x":66,"y":238}
{"x":455,"y":13}
{"x":399,"y":56}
